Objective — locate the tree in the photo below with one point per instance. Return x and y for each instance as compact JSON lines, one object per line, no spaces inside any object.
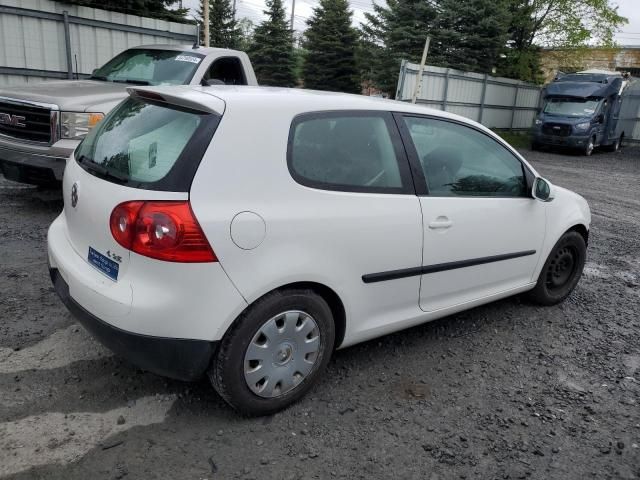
{"x":330,"y":44}
{"x":558,"y":24}
{"x":144,"y":8}
{"x":394,"y":33}
{"x":472,"y":34}
{"x":271,"y":52}
{"x":224,"y":31}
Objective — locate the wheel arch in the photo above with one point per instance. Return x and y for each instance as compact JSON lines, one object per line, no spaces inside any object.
{"x":327,"y":293}
{"x":582,"y":230}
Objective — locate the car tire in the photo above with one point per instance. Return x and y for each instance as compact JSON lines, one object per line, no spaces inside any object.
{"x":535,"y":146}
{"x":235,"y":374}
{"x":561,"y":271}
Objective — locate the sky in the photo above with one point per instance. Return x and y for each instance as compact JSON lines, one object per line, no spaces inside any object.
{"x":252,"y":9}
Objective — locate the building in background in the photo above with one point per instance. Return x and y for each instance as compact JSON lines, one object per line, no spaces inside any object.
{"x":622,"y":59}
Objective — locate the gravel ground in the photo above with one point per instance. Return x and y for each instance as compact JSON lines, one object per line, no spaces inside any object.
{"x":507,"y":390}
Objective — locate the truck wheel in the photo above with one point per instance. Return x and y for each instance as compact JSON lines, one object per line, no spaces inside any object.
{"x":275,"y":352}
{"x":591,"y":145}
{"x":615,"y":146}
{"x":562,"y":270}
{"x":535,"y":146}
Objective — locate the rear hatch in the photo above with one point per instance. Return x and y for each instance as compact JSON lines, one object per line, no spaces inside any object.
{"x":148,"y":148}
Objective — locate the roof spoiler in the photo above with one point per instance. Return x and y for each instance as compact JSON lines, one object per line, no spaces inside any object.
{"x":181,"y":96}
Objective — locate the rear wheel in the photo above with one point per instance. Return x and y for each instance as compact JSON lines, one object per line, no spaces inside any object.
{"x":615,"y":146}
{"x":275,"y":352}
{"x":562,"y":270}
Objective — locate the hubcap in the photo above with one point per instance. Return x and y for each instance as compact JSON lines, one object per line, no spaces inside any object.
{"x":282,"y":353}
{"x":561,"y":268}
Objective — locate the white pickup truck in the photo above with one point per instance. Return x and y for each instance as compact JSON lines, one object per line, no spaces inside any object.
{"x":42,"y":124}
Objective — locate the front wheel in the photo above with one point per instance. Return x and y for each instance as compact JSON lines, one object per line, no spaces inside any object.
{"x":590,"y":147}
{"x":275,"y":352}
{"x":562,"y":270}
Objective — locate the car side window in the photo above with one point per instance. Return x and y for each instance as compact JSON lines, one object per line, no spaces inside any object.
{"x":347,"y":151}
{"x":227,"y":70}
{"x":461,"y":161}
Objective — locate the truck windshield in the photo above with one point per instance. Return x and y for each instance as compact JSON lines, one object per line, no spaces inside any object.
{"x":150,"y":67}
{"x":571,"y":107}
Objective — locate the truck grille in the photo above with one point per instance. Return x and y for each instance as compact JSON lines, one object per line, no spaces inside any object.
{"x":556,"y":129}
{"x":37,"y":121}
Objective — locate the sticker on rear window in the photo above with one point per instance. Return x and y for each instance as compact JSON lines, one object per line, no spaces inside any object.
{"x":188,"y":58}
{"x":153,"y":154}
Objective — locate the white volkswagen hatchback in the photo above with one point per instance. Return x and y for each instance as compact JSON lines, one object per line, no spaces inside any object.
{"x":246,"y":233}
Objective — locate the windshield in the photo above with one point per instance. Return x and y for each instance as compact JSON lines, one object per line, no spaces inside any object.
{"x":138,"y":142}
{"x":574,"y":107}
{"x":150,"y":67}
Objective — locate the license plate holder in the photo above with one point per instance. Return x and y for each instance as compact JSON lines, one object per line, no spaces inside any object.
{"x":103,"y":264}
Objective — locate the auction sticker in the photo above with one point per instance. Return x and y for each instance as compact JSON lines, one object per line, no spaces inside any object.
{"x":188,"y":58}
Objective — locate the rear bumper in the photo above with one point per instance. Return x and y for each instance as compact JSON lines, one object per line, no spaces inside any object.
{"x":181,"y":359}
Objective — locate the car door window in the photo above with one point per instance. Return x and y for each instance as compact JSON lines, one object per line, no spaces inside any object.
{"x":461,"y":161}
{"x":351,"y":152}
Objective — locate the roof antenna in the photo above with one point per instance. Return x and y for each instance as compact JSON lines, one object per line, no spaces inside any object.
{"x":196,"y":44}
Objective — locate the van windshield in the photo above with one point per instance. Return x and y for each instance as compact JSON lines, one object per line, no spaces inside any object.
{"x":140,"y":66}
{"x":574,"y":107}
{"x":138,"y":143}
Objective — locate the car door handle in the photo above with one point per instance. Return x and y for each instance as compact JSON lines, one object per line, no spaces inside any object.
{"x":440,"y":223}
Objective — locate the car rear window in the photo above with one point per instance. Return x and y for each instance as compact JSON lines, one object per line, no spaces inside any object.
{"x":142,"y":143}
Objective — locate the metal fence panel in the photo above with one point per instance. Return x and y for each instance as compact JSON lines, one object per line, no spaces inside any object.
{"x":493,"y":101}
{"x":33,"y":38}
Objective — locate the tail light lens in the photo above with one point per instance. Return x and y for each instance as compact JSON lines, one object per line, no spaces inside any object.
{"x":166,"y":231}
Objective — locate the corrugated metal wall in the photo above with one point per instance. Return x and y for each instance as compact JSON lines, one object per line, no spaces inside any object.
{"x":493,"y":101}
{"x":32,"y":38}
{"x":630,"y":112}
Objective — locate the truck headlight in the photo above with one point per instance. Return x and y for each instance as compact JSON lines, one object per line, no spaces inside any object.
{"x":538,"y":121}
{"x":76,"y":125}
{"x":581,"y":127}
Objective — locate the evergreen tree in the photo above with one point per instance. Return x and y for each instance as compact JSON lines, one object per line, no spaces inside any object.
{"x":224,"y":31}
{"x":271,"y":52}
{"x":394,"y":33}
{"x":330,"y":44}
{"x":472,"y":33}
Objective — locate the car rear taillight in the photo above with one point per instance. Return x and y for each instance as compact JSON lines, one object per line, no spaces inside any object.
{"x":165,"y":230}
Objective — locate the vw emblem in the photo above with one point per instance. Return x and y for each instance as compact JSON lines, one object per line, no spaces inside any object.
{"x":74,"y":195}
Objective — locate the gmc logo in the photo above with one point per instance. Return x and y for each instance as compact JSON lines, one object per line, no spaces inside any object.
{"x":12,"y":120}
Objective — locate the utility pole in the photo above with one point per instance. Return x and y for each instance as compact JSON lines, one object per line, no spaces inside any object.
{"x":293,"y":12}
{"x":205,"y":14}
{"x":234,"y":10}
{"x":416,"y":90}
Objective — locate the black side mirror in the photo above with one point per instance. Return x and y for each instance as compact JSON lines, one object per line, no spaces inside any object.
{"x":601,"y":118}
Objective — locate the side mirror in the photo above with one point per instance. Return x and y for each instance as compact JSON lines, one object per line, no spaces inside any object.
{"x":601,"y":118}
{"x":93,"y":72}
{"x":542,"y":190}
